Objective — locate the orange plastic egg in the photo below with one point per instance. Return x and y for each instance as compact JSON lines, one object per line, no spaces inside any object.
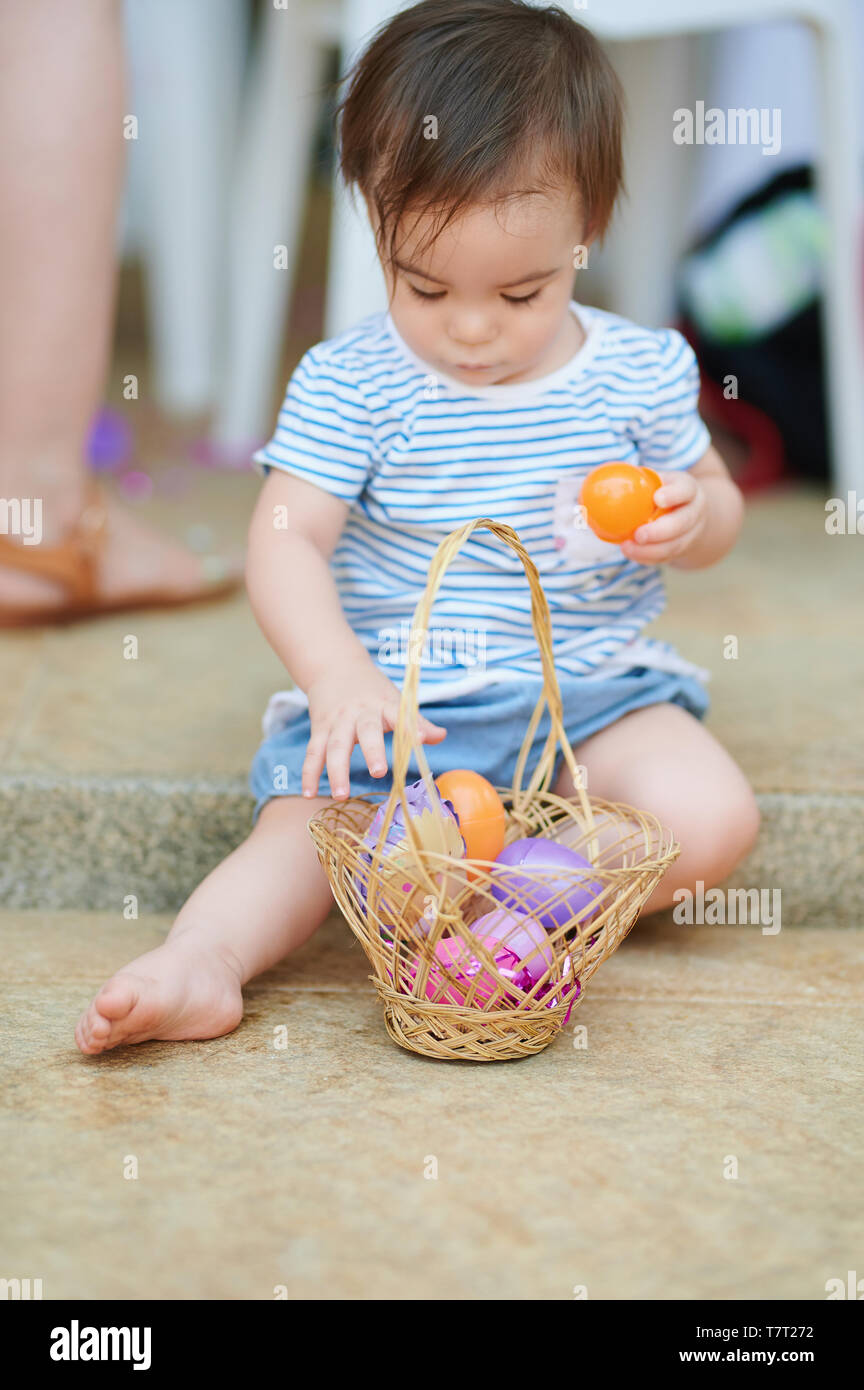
{"x":619,"y":498}
{"x":482,"y":818}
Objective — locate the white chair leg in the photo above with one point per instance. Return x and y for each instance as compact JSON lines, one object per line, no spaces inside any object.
{"x":839,"y":170}
{"x":648,"y":235}
{"x":271,"y":170}
{"x":187,"y":62}
{"x":355,"y":284}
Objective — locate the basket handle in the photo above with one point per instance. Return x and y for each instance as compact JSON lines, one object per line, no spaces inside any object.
{"x":405,"y":740}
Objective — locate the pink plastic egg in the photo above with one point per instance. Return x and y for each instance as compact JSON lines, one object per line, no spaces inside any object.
{"x":455,"y":954}
{"x":520,"y":934}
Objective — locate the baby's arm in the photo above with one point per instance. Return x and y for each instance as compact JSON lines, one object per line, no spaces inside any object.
{"x":295,"y":601}
{"x":702,"y":525}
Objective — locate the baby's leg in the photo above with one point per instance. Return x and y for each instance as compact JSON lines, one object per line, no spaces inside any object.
{"x":661,"y":759}
{"x":261,"y":902}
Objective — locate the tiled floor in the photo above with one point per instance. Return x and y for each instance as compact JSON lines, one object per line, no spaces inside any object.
{"x":703,"y":1142}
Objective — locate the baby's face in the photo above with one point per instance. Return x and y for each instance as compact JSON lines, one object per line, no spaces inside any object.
{"x":487,"y":303}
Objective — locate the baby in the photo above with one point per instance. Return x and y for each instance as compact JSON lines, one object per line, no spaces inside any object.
{"x":485,"y":138}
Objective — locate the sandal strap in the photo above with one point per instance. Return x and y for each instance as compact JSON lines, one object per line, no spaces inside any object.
{"x":73,"y":562}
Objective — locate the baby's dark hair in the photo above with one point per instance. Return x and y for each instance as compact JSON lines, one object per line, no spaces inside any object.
{"x":523,"y":98}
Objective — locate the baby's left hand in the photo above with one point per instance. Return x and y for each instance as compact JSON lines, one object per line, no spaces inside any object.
{"x":671,"y":535}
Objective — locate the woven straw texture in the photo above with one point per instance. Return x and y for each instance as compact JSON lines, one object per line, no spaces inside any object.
{"x":446,"y":990}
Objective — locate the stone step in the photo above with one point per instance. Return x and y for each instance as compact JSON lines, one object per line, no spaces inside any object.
{"x":86,"y":844}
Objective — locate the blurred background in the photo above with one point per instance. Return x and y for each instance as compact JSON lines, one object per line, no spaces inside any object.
{"x":237,"y":252}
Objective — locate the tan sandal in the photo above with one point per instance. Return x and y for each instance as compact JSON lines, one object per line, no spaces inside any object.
{"x":74,"y":563}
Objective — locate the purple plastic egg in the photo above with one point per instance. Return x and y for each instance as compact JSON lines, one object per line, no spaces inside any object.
{"x":437,"y":827}
{"x":554,"y":899}
{"x":110,"y":443}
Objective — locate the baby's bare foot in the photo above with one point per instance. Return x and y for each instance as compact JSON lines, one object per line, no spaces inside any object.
{"x":180,"y":990}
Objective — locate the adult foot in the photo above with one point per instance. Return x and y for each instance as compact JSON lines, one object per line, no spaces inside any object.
{"x":181,"y":990}
{"x":134,"y":561}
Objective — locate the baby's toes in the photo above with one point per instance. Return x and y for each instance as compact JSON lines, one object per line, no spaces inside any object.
{"x":115,"y":1014}
{"x":88,"y":1039}
{"x":114,"y":1002}
{"x":108,"y":1019}
{"x":99,"y":1026}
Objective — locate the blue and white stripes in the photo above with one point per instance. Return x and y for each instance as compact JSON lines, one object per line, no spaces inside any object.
{"x":415,"y":454}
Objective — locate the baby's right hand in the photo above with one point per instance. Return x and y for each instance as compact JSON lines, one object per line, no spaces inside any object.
{"x":356,"y":704}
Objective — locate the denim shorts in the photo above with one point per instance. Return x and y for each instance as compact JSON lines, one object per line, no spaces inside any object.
{"x":485,"y":730}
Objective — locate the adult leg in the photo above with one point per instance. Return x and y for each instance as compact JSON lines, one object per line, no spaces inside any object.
{"x":61,"y":169}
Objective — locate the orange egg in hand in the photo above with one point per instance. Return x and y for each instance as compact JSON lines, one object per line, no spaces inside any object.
{"x":619,"y":498}
{"x":482,"y":818}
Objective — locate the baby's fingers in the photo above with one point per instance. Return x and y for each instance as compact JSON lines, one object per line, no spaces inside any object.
{"x":669,"y":527}
{"x":654,"y":554}
{"x":340,"y":746}
{"x":429,"y":732}
{"x":313,"y":763}
{"x":370,"y":736}
{"x":675,"y":488}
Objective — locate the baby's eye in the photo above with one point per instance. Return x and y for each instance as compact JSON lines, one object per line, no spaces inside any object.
{"x":424,"y":294}
{"x":521,"y":299}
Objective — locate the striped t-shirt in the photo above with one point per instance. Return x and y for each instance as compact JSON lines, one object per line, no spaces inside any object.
{"x":416,"y":454}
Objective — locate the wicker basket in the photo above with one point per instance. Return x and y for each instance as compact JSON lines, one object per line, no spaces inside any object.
{"x":447,"y":991}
